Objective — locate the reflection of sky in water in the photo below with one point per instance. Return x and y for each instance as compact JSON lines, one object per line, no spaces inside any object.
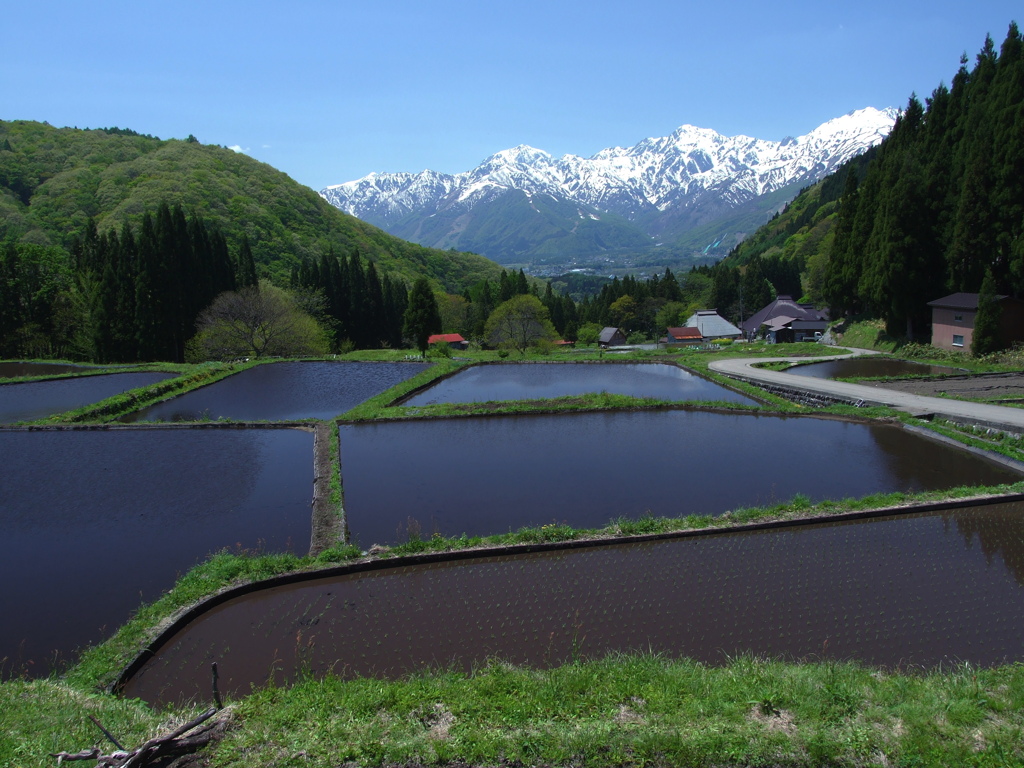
{"x":35,"y":399}
{"x":894,"y":591}
{"x":489,"y":475}
{"x":284,"y":391}
{"x":531,"y":381}
{"x":96,"y":522}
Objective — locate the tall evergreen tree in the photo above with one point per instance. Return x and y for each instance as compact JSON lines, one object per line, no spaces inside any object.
{"x":422,"y":317}
{"x":987,"y":336}
{"x":246,"y":269}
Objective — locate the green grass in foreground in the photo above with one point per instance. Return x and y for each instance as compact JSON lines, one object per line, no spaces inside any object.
{"x":621,"y":710}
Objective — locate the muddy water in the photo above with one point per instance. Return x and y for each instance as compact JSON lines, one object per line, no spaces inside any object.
{"x":35,"y":399}
{"x":95,"y":523}
{"x":284,"y":391}
{"x":921,"y":589}
{"x":854,"y":368}
{"x":489,"y":475}
{"x":13,"y":368}
{"x":526,"y":381}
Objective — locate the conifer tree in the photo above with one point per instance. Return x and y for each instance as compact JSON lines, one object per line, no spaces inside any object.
{"x":246,"y":270}
{"x":422,"y":317}
{"x":987,"y":337}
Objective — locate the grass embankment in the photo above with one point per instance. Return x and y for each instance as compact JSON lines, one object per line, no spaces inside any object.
{"x":190,"y":377}
{"x":635,"y":710}
{"x":697,"y":360}
{"x":621,"y":710}
{"x":100,"y":665}
{"x":870,"y":334}
{"x":92,"y":369}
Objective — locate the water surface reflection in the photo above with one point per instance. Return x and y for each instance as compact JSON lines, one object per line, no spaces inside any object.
{"x":26,"y":401}
{"x":891,"y":591}
{"x":95,"y":523}
{"x":531,"y":381}
{"x":492,"y":474}
{"x":856,"y":368}
{"x":283,"y":392}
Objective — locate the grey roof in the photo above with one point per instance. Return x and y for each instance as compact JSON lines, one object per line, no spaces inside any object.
{"x":783,"y":306}
{"x":712,"y":325}
{"x":961,"y":301}
{"x":607,"y":334}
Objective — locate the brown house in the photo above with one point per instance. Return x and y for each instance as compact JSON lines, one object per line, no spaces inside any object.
{"x":953,"y":320}
{"x":684,"y":336}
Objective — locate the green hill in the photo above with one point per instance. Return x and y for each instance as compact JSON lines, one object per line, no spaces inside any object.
{"x":53,"y":180}
{"x":933,"y":209}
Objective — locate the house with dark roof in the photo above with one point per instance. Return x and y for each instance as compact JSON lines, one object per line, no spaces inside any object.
{"x":953,"y":320}
{"x":713,"y":326}
{"x":611,"y":337}
{"x":453,"y":340}
{"x":786,"y":320}
{"x":683,"y":336}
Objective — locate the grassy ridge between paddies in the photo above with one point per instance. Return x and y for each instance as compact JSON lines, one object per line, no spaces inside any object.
{"x":100,"y":665}
{"x":619,"y":710}
{"x":189,"y":377}
{"x":622,"y":710}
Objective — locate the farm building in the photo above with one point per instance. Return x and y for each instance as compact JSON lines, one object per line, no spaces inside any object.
{"x":611,"y":337}
{"x":713,"y":326}
{"x":453,"y":340}
{"x":953,"y":320}
{"x":786,"y":320}
{"x":683,"y":336}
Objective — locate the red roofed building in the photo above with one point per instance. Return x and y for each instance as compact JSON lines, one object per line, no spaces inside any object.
{"x":453,"y":340}
{"x":686,"y":335}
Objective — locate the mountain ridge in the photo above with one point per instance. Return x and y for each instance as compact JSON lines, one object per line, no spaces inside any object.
{"x":662,"y":186}
{"x":54,"y":180}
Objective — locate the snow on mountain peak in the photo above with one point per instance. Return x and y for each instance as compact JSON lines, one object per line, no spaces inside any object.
{"x":655,"y":175}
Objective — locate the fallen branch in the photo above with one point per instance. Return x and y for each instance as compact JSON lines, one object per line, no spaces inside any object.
{"x":174,"y":743}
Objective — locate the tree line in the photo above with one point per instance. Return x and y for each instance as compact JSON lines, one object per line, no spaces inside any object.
{"x":942,"y":201}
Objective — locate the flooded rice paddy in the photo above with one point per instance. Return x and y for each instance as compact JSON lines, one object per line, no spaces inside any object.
{"x":920,"y":589}
{"x":485,"y":475}
{"x":856,"y":368}
{"x":531,"y":381}
{"x":27,"y":401}
{"x":96,"y":522}
{"x":10,"y":369}
{"x":284,"y":392}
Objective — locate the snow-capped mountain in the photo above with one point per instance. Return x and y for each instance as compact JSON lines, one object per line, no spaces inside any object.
{"x":522,"y":202}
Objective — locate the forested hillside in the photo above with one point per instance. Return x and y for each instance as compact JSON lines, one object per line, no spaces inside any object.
{"x":54,"y":180}
{"x":928,"y":212}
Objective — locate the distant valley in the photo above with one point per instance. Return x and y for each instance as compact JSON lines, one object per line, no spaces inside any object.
{"x":674,"y":201}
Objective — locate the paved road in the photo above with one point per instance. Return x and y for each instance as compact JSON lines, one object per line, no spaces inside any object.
{"x":956,"y":410}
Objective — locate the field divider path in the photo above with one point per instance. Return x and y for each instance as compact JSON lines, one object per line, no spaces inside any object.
{"x":985,"y":414}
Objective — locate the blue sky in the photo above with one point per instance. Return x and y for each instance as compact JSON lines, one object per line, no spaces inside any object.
{"x":330,"y":91}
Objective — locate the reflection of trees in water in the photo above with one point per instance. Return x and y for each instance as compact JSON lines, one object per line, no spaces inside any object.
{"x":999,"y":530}
{"x":919,"y":464}
{"x":84,"y":480}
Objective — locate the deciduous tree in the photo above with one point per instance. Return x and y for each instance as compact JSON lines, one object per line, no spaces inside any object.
{"x":256,"y":321}
{"x":519,"y":322}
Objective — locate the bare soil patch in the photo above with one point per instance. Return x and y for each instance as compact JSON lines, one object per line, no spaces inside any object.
{"x":988,"y":386}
